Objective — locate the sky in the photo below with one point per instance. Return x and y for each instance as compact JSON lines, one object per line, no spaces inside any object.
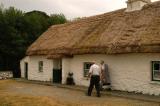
{"x":70,"y":8}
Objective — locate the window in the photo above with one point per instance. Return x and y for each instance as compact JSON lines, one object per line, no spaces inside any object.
{"x":87,"y":66}
{"x":156,"y":70}
{"x":40,"y":64}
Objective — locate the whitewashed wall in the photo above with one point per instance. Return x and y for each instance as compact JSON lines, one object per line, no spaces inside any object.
{"x":65,"y":69}
{"x":129,"y":72}
{"x":137,"y":5}
{"x":33,"y":72}
{"x":22,"y":65}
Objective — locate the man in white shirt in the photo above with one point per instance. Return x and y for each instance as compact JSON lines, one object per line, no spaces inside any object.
{"x":94,"y":74}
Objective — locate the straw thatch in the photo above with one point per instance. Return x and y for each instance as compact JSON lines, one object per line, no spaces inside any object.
{"x":147,"y":1}
{"x":109,"y":33}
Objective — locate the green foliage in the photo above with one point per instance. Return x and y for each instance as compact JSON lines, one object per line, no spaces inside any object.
{"x":18,"y":30}
{"x":57,"y":19}
{"x":35,"y":24}
{"x":76,"y":19}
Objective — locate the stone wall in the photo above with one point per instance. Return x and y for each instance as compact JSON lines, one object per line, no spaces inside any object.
{"x":6,"y":74}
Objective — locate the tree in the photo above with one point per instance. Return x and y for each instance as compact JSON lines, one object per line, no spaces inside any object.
{"x":18,"y":30}
{"x":10,"y":38}
{"x":35,"y":24}
{"x":57,"y":19}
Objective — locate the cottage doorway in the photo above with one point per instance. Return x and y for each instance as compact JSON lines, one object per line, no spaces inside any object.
{"x":26,"y":70}
{"x":57,"y":71}
{"x":57,"y":75}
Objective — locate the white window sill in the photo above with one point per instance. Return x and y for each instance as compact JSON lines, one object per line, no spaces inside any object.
{"x":85,"y":78}
{"x":40,"y":72}
{"x":155,"y":82}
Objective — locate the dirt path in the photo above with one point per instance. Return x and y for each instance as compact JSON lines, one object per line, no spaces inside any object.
{"x":14,"y":93}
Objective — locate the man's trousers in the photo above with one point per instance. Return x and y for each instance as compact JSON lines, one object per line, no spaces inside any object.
{"x":94,"y":81}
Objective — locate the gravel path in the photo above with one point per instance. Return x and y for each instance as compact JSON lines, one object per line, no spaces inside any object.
{"x":70,"y":96}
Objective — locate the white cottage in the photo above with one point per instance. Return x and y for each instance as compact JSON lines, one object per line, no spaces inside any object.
{"x":128,"y":40}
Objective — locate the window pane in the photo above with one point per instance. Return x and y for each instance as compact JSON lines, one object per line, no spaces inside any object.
{"x":40,"y":66}
{"x":156,"y":66}
{"x":87,"y":66}
{"x":157,"y":75}
{"x":86,"y":72}
{"x":156,"y":70}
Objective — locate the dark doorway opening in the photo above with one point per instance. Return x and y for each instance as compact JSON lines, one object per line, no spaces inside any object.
{"x":26,"y":70}
{"x":57,"y":75}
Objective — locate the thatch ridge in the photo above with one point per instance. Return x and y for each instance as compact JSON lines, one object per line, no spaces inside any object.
{"x":109,"y":33}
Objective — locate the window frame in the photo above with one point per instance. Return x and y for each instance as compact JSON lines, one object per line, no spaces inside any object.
{"x":152,"y":69}
{"x":40,"y":66}
{"x":84,"y":70}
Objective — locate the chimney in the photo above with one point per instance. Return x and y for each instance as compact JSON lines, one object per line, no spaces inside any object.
{"x":133,"y":5}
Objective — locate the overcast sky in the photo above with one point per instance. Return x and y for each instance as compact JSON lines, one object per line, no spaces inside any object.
{"x":70,"y":8}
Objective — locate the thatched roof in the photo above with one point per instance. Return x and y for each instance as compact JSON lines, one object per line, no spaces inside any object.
{"x":147,"y":1}
{"x":110,"y":33}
